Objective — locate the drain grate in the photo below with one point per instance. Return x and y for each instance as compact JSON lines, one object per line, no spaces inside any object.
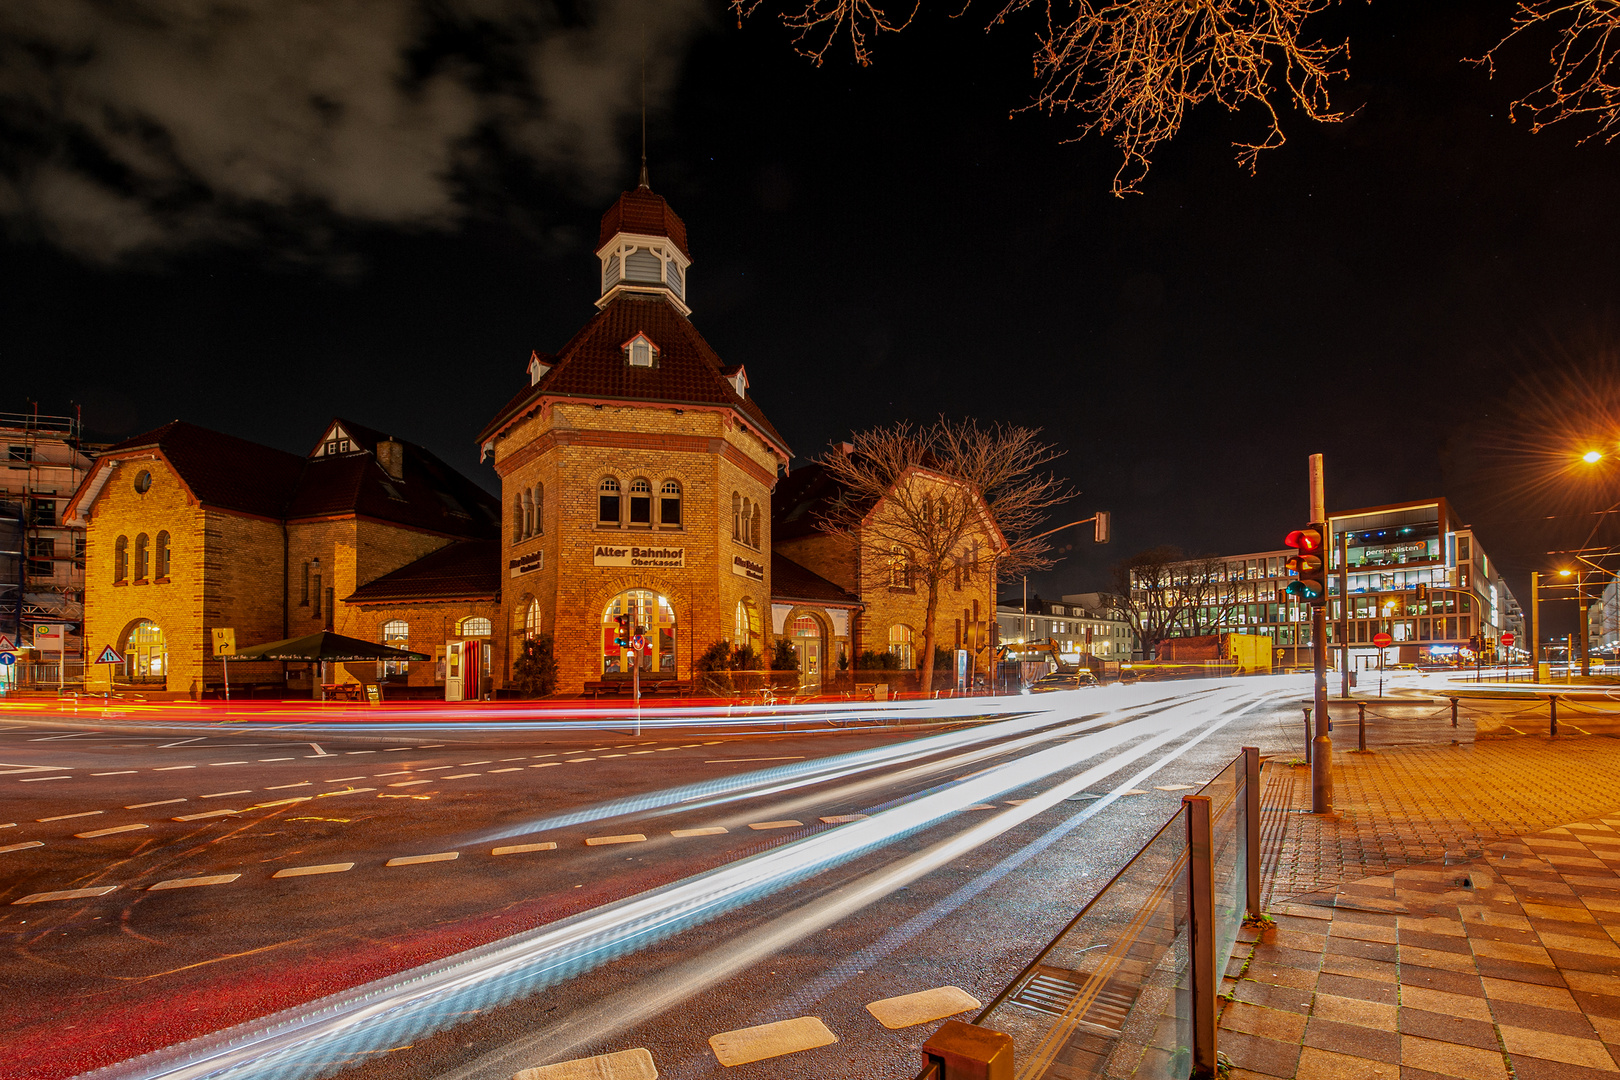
{"x":1052,"y":990}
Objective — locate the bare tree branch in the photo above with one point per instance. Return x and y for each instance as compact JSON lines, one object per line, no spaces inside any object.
{"x":1585,"y":58}
{"x":820,"y":23}
{"x":1166,"y":594}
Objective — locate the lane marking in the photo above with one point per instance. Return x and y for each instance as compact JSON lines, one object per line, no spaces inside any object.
{"x":402,"y":772}
{"x":223,"y":794}
{"x":318,"y":751}
{"x":545,"y":765}
{"x":627,"y":838}
{"x":524,"y":757}
{"x":1134,"y":791}
{"x":171,"y":768}
{"x":464,"y":764}
{"x":412,"y":860}
{"x":634,"y":1064}
{"x":606,"y":756}
{"x":430,"y":746}
{"x":64,"y":817}
{"x":160,"y":802}
{"x":212,"y":763}
{"x":276,"y":759}
{"x":37,"y":779}
{"x":841,"y":819}
{"x":712,"y":830}
{"x":1174,"y":787}
{"x":209,"y":814}
{"x":22,"y":846}
{"x":770,"y":1040}
{"x":396,"y":749}
{"x":786,"y":823}
{"x":66,"y":894}
{"x":108,"y":832}
{"x":570,"y":761}
{"x":537,"y":757}
{"x":182,"y":742}
{"x":343,"y":779}
{"x":510,"y":768}
{"x":193,"y":882}
{"x":460,"y":775}
{"x":75,"y":735}
{"x":908,"y":1010}
{"x":30,"y":768}
{"x":633,"y":753}
{"x":436,"y":768}
{"x":353,"y":752}
{"x":728,"y":760}
{"x":282,"y":802}
{"x":306,"y":871}
{"x":518,"y":849}
{"x":8,"y":825}
{"x":120,"y":772}
{"x":345,"y":791}
{"x":410,"y":783}
{"x":1018,"y":802}
{"x":1082,"y":796}
{"x":283,"y":787}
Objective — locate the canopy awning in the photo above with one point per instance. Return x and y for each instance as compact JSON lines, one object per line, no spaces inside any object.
{"x":324,"y":647}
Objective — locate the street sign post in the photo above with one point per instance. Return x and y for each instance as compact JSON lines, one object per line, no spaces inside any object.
{"x":48,"y":635}
{"x":109,"y":655}
{"x":638,"y":648}
{"x":1382,"y":640}
{"x":1508,"y":638}
{"x":225,"y":648}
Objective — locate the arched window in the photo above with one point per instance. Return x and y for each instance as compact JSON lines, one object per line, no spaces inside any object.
{"x":121,"y":559}
{"x":736,"y":516}
{"x":162,"y":558}
{"x":641,"y":502}
{"x":145,"y":653}
{"x":898,"y":578}
{"x":518,"y":518}
{"x":900,"y":646}
{"x":747,"y":519}
{"x":396,"y":634}
{"x":651,"y":614}
{"x":531,"y":620}
{"x":539,"y":510}
{"x":755,"y":532}
{"x":524,"y":507}
{"x":473,"y":626}
{"x":607,"y":502}
{"x":746,"y":628}
{"x":669,"y":505}
{"x":142,"y":556}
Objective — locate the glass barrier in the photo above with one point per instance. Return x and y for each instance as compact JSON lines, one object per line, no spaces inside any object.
{"x":1111,"y":996}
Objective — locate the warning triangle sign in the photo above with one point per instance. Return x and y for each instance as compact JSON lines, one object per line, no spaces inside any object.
{"x":109,"y":655}
{"x":6,"y":644}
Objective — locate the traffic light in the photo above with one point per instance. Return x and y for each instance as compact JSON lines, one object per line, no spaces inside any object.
{"x":1422,"y":592}
{"x":1306,"y":566}
{"x":621,"y":637}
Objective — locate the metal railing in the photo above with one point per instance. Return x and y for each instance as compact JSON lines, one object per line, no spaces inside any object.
{"x":1128,"y":987}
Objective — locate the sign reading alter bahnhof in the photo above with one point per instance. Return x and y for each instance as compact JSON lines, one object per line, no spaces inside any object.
{"x":666,"y":558}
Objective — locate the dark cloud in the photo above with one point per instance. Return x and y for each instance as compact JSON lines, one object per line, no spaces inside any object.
{"x":153,"y":124}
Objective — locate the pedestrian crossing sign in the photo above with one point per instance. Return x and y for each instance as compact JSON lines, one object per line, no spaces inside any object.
{"x":109,"y":655}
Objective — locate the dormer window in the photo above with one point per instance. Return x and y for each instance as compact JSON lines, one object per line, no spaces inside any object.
{"x":537,"y":368}
{"x":739,"y":381}
{"x":639,"y":351}
{"x":337,"y":446}
{"x":336,"y":441}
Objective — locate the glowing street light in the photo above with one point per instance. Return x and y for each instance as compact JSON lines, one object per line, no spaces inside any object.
{"x":1565,"y":573}
{"x":1592,"y":457}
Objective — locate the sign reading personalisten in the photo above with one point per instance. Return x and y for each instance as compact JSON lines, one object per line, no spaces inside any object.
{"x":1382,"y":640}
{"x":648,"y":558}
{"x":748,"y":568}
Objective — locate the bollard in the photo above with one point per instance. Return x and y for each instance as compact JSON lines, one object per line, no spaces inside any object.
{"x":1453,"y":712}
{"x":1552,"y":726}
{"x":969,"y":1052}
{"x":1361,"y":726}
{"x":1308,"y":734}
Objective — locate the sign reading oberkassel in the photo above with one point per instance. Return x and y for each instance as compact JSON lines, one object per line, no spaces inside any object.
{"x":662,"y":558}
{"x":747,"y":568}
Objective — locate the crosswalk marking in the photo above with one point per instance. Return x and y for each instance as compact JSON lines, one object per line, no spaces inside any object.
{"x":712,"y":830}
{"x":770,"y":1040}
{"x":193,"y":882}
{"x":787,"y":823}
{"x":922,"y":1007}
{"x":65,"y":894}
{"x":625,"y":1065}
{"x":518,"y":849}
{"x":626,"y":838}
{"x":306,"y":871}
{"x":412,"y":860}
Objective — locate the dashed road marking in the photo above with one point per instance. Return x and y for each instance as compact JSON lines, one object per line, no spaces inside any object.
{"x":22,"y":846}
{"x":193,"y":882}
{"x":396,"y":749}
{"x":224,"y":794}
{"x":345,"y":779}
{"x":64,"y":817}
{"x":626,"y":838}
{"x":633,"y":753}
{"x":345,"y":791}
{"x":209,"y":814}
{"x":545,"y":765}
{"x":108,"y":832}
{"x":523,"y":757}
{"x":65,"y":894}
{"x":409,"y":783}
{"x":460,"y":775}
{"x":920,"y":1008}
{"x":787,"y":823}
{"x":308,"y":871}
{"x":276,"y":759}
{"x":729,"y":760}
{"x":282,"y":802}
{"x":160,"y":802}
{"x":1134,"y":791}
{"x":712,"y":830}
{"x":770,"y":1040}
{"x":351,"y":752}
{"x":842,"y":819}
{"x":171,"y":768}
{"x":435,"y":768}
{"x":120,"y":772}
{"x":606,"y":756}
{"x":412,"y":860}
{"x":464,"y":764}
{"x":518,"y":849}
{"x":1017,"y":802}
{"x":283,"y":787}
{"x":570,"y":761}
{"x":625,"y":1065}
{"x":1082,"y":796}
{"x":37,"y":779}
{"x":402,"y":772}
{"x":227,"y":763}
{"x":512,"y":768}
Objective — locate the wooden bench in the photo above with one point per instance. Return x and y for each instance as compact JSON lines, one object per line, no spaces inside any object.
{"x":613,"y":687}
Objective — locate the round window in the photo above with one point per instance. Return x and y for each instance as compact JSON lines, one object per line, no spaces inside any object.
{"x":143,"y":482}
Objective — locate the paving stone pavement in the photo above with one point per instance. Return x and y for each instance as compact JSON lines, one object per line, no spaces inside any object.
{"x":1458,"y":917}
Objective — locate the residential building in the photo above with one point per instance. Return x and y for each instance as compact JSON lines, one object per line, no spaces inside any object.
{"x":1083,"y":624}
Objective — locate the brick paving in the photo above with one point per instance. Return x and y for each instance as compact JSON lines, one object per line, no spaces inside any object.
{"x":1457,"y":917}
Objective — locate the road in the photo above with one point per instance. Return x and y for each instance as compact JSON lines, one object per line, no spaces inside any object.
{"x":580,"y":892}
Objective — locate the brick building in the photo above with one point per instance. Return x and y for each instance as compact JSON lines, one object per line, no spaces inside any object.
{"x":189,"y":529}
{"x":636,"y":475}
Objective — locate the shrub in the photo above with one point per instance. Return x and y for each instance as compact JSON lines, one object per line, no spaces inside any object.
{"x":784,"y":657}
{"x":534,"y":672}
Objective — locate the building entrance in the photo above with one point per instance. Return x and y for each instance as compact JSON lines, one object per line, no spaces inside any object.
{"x":807,"y":643}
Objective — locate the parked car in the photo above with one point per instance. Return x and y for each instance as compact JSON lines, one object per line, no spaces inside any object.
{"x":1063,"y":680}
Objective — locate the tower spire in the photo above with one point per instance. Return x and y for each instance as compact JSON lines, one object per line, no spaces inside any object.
{"x":644,"y":182}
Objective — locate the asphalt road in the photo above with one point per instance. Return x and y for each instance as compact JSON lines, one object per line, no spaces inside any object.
{"x":249,"y":869}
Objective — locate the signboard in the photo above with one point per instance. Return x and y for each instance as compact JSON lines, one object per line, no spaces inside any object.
{"x":373,"y":694}
{"x":1382,"y":640}
{"x":1508,"y":638}
{"x":7,"y":659}
{"x":109,"y":655}
{"x":6,"y":644}
{"x":659,"y":558}
{"x":526,"y":564}
{"x":743,"y":566}
{"x":48,"y":636}
{"x":224,"y":641}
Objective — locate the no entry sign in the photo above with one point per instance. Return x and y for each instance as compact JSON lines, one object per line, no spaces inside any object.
{"x":1382,"y":640}
{"x":1508,"y":638}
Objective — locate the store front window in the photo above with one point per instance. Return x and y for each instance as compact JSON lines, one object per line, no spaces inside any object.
{"x":396,"y":634}
{"x":655,"y":617}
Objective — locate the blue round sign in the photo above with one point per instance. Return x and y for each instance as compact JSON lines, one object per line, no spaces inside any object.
{"x":7,"y":659}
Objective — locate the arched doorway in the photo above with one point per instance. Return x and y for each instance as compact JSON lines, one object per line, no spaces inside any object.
{"x":747,"y":628}
{"x":146,"y":655}
{"x":654,"y":615}
{"x":810,"y":642}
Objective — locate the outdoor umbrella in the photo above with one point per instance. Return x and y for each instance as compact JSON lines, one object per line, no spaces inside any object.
{"x":324,"y":647}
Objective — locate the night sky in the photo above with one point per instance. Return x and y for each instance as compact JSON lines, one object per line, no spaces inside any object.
{"x":1425,"y":293}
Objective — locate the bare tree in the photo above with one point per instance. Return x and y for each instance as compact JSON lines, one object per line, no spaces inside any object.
{"x":1131,"y":69}
{"x":915,"y":500}
{"x":1166,"y":594}
{"x":1585,"y":58}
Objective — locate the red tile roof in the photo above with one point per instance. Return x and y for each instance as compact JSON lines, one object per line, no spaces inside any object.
{"x":640,"y":211}
{"x":464,"y":570}
{"x":593,"y":365}
{"x":220,"y":469}
{"x":790,"y":581}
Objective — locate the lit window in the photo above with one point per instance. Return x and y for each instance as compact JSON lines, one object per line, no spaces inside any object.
{"x":396,"y":634}
{"x":163,"y":554}
{"x":121,"y":559}
{"x":607,"y":502}
{"x":474,"y":626}
{"x":652,"y":615}
{"x":639,"y":351}
{"x":640,"y":502}
{"x":900,"y":646}
{"x":142,"y":556}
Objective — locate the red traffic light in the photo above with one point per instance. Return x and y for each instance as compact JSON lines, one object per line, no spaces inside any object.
{"x":1305,"y":540}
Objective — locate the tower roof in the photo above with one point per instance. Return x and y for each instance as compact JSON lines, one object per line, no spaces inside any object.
{"x":645,"y":214}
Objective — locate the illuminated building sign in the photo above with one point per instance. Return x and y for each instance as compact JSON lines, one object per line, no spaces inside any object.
{"x":527,"y":564}
{"x":748,"y":568}
{"x":662,"y":558}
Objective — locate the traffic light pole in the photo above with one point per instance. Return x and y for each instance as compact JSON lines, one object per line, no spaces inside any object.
{"x":1322,"y":744}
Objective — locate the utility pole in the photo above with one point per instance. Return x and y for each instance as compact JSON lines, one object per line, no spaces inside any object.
{"x":1535,"y":626}
{"x":1580,"y":603}
{"x":1341,"y":623}
{"x":1322,"y":744}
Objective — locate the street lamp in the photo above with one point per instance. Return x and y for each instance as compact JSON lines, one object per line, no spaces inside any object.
{"x":1592,"y":457}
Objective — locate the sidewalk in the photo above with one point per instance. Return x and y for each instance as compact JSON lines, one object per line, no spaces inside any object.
{"x":1456,"y":917}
